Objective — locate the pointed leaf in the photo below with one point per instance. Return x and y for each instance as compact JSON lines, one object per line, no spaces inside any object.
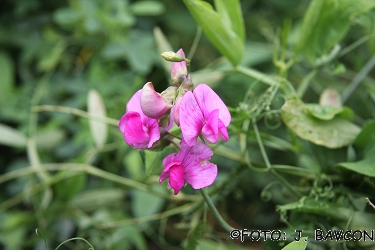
{"x":152,"y":159}
{"x":217,"y":30}
{"x":231,"y":12}
{"x":163,"y":45}
{"x":11,"y":137}
{"x":334,"y":133}
{"x":325,"y":23}
{"x":297,"y":245}
{"x":7,"y":77}
{"x":95,"y":106}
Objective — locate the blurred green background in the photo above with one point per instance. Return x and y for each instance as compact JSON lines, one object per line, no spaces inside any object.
{"x":55,"y":52}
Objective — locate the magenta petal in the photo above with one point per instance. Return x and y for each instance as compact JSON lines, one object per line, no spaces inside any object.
{"x":194,"y":156}
{"x":210,"y":130}
{"x":134,"y":104}
{"x":223,"y":132}
{"x":153,"y":131}
{"x":191,"y":118}
{"x":152,"y":103}
{"x":176,"y":178}
{"x":168,"y":162}
{"x":208,"y":100}
{"x":175,"y":111}
{"x":132,"y":127}
{"x":202,"y":175}
{"x":179,"y":69}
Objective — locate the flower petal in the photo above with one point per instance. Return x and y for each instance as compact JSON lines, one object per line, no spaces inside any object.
{"x":179,"y":70}
{"x":132,"y":128}
{"x":153,"y":131}
{"x":210,"y":130}
{"x":202,"y":175}
{"x":134,"y":104}
{"x":152,"y":103}
{"x":176,"y":178}
{"x":168,"y":162}
{"x":208,"y":100}
{"x":193,"y":156}
{"x":191,"y":118}
{"x":223,"y":132}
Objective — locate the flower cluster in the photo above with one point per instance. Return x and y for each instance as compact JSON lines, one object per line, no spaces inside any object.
{"x":198,"y":112}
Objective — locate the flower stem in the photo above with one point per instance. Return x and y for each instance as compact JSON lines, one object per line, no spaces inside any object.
{"x":214,"y":211}
{"x":268,"y":164}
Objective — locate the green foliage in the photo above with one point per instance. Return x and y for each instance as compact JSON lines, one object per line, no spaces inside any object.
{"x":330,"y":20}
{"x":224,"y":28}
{"x":301,"y":151}
{"x":297,"y":245}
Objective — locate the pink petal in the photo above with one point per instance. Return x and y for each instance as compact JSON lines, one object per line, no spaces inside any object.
{"x":134,"y":104}
{"x":152,"y":103}
{"x":223,"y":132}
{"x":176,"y":178}
{"x":191,"y":118}
{"x":132,"y":128}
{"x":175,"y":111}
{"x":210,"y":130}
{"x":153,"y":131}
{"x":208,"y":100}
{"x":179,"y":69}
{"x":202,"y":175}
{"x":168,"y":162}
{"x":193,"y":156}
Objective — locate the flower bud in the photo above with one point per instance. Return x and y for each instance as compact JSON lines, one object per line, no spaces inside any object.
{"x":173,"y":57}
{"x":179,"y":70}
{"x":330,"y":97}
{"x":153,"y":104}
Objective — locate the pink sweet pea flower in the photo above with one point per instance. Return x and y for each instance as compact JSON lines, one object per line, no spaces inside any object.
{"x":191,"y":165}
{"x":202,"y":112}
{"x":179,"y":70}
{"x":139,"y":130}
{"x":155,"y":105}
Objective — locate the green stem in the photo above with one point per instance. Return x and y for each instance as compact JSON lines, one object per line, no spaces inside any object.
{"x":75,"y":111}
{"x":268,"y":164}
{"x":358,"y":79}
{"x":195,"y":43}
{"x":214,"y":211}
{"x":256,"y":75}
{"x":305,"y":83}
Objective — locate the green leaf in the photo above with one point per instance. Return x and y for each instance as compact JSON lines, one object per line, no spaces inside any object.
{"x":147,"y":8}
{"x":95,"y":106}
{"x":163,"y":45}
{"x":297,"y":245}
{"x":7,"y":77}
{"x":231,"y":12}
{"x":145,"y":204}
{"x":152,"y":159}
{"x":195,"y":235}
{"x":334,"y":133}
{"x":217,"y":29}
{"x":11,"y":137}
{"x":365,"y":140}
{"x":365,"y":167}
{"x":359,"y":220}
{"x":325,"y":113}
{"x":325,"y":23}
{"x":51,"y":59}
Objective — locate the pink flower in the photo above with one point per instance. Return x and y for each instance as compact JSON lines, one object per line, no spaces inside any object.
{"x":155,"y":105}
{"x":139,"y":130}
{"x":179,"y":70}
{"x":191,"y":165}
{"x":202,"y":112}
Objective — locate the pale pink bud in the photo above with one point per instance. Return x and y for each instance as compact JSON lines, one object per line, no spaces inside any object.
{"x":330,"y":97}
{"x":179,"y":70}
{"x":153,"y":104}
